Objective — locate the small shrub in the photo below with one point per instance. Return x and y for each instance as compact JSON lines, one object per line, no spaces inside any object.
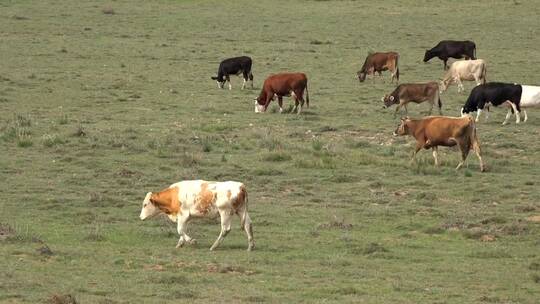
{"x":51,"y":140}
{"x":24,"y":142}
{"x":108,"y":11}
{"x":317,"y":145}
{"x":277,"y":157}
{"x":372,"y":248}
{"x":63,"y":120}
{"x":95,"y":234}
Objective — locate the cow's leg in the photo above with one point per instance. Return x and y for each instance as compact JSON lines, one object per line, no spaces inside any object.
{"x":525,"y":113}
{"x":228,"y":79}
{"x":419,"y":146}
{"x":478,"y":112}
{"x":445,"y":66}
{"x":487,"y":113}
{"x":245,"y":220}
{"x":280,"y":103}
{"x":461,"y":88}
{"x":436,"y":155}
{"x":431,"y":108}
{"x":508,"y":114}
{"x":516,"y":112}
{"x":476,"y":148}
{"x":464,"y":147}
{"x":225,"y":227}
{"x":251,"y":79}
{"x":182,"y":224}
{"x":244,"y":83}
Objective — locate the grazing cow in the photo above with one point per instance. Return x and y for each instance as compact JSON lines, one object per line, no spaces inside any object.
{"x":434,"y":131}
{"x":416,"y":92}
{"x":234,"y":66}
{"x":378,"y":62}
{"x":530,"y":98}
{"x":197,"y":198}
{"x":284,"y":84}
{"x":496,"y":94}
{"x":451,"y":49}
{"x":464,"y":70}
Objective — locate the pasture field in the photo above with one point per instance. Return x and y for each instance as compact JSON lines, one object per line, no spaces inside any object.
{"x":102,"y":101}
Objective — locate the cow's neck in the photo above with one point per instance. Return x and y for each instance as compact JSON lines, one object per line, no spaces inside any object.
{"x":166,"y":200}
{"x":412,"y":127}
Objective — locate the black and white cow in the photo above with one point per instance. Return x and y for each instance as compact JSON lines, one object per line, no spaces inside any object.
{"x":496,"y":94}
{"x":234,"y":66}
{"x":452,"y":49}
{"x":530,"y":98}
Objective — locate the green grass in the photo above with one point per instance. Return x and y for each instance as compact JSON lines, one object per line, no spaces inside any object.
{"x":102,"y":102}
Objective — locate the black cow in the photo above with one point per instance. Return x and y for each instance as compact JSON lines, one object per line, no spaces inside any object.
{"x":493,"y":93}
{"x":234,"y":66}
{"x":452,"y":49}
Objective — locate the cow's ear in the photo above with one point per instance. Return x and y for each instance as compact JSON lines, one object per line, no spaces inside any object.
{"x":213,"y":78}
{"x":391,"y":98}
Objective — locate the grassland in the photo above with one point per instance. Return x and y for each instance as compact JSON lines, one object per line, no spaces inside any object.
{"x":102,"y":101}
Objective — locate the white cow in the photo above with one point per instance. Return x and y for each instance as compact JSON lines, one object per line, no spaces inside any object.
{"x":471,"y":70}
{"x":197,"y":198}
{"x":530,"y":98}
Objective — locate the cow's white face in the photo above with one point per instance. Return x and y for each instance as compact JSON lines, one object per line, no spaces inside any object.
{"x":148,"y":208}
{"x":258,"y":108}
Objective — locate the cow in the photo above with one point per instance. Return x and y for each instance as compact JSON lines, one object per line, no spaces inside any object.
{"x":378,"y":62}
{"x":434,"y":131}
{"x":198,"y":198}
{"x":234,"y":66}
{"x":464,"y":70}
{"x":496,"y":94}
{"x":415,"y":92}
{"x":283,"y":84}
{"x":451,"y":49}
{"x":530,"y":98}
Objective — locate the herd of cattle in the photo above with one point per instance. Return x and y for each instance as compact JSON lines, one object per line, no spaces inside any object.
{"x":184,"y":200}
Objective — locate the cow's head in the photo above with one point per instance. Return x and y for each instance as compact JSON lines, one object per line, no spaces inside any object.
{"x":428,"y":55}
{"x":259,"y":108}
{"x":148,"y":208}
{"x":443,"y":85}
{"x":388,"y":100}
{"x":220,"y":81}
{"x":402,"y":127}
{"x":361,"y":76}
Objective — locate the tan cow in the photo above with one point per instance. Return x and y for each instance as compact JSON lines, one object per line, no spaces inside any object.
{"x":415,"y":92}
{"x":471,"y":70}
{"x":197,"y":198}
{"x":378,"y":62}
{"x":434,"y":131}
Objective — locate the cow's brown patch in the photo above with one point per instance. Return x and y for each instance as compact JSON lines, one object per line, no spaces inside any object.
{"x":240,"y":199}
{"x":167,"y":200}
{"x":205,"y":199}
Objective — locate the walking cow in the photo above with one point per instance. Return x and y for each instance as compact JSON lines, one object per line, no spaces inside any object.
{"x":415,"y":92}
{"x":434,"y":131}
{"x":496,"y":94}
{"x":197,"y":198}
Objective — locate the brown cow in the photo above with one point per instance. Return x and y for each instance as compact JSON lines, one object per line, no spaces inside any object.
{"x":284,"y":84}
{"x":434,"y":131}
{"x":415,"y":92}
{"x":378,"y":62}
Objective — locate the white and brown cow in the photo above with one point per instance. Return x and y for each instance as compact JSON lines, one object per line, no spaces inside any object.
{"x":198,"y":198}
{"x":415,"y":92}
{"x":434,"y":131}
{"x":471,"y":70}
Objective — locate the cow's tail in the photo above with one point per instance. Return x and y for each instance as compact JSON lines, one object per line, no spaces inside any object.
{"x":307,"y":96}
{"x":397,"y":68}
{"x":439,"y":99}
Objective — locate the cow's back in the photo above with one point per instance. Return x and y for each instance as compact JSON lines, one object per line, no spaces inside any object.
{"x":530,"y":96}
{"x":440,"y":128}
{"x":283,"y":83}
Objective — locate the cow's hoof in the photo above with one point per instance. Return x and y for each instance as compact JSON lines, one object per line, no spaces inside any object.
{"x":192,"y":242}
{"x":180,"y":245}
